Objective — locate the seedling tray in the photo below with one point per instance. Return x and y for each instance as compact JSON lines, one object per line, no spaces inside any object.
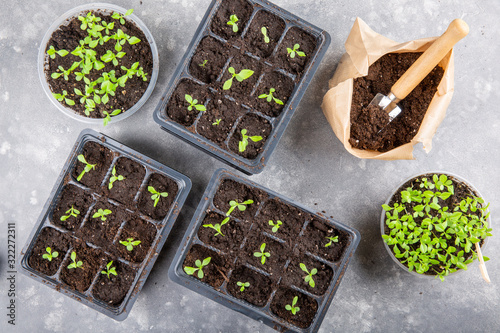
{"x":135,"y":270}
{"x":270,"y":64}
{"x":249,"y":227}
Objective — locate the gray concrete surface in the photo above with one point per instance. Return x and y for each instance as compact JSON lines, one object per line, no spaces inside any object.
{"x":309,"y":165}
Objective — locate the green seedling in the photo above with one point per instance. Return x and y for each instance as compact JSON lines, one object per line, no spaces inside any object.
{"x":50,"y":255}
{"x":88,"y":21}
{"x":331,"y":240}
{"x":203,"y":63}
{"x":156,"y":195}
{"x":199,"y":267}
{"x":243,"y":285}
{"x":242,"y":145}
{"x":62,"y":97}
{"x":269,"y":97}
{"x":216,"y":122}
{"x":52,"y":52}
{"x":232,"y":22}
{"x":192,"y":104}
{"x":262,"y":255}
{"x":87,"y":168}
{"x":266,"y":37}
{"x":309,"y":277}
{"x":102,"y":214}
{"x":108,"y":27}
{"x":109,"y":270}
{"x":118,"y":16}
{"x":241,"y":206}
{"x":114,"y":178}
{"x":108,"y":117}
{"x":276,"y":225}
{"x":241,"y":76}
{"x":295,"y":50}
{"x":75,"y":264}
{"x":130,"y":243}
{"x":110,"y":56}
{"x":71,"y":212}
{"x":217,"y":227}
{"x":292,"y":308}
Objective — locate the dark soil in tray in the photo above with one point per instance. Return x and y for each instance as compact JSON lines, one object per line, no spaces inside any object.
{"x":254,"y":37}
{"x":307,"y":44}
{"x":124,"y":191}
{"x":208,"y":60}
{"x":113,"y":290}
{"x":71,"y":196}
{"x":138,"y":230}
{"x":259,"y":290}
{"x":232,"y":190}
{"x":177,"y":107}
{"x":283,"y":88}
{"x":161,"y":184}
{"x":215,"y":272}
{"x":58,"y":242}
{"x":242,"y":9}
{"x":294,"y":275}
{"x":68,"y":36}
{"x":314,"y":240}
{"x":367,"y":122}
{"x":96,"y":154}
{"x":242,"y":90}
{"x":233,"y":233}
{"x":308,"y":307}
{"x":279,"y":253}
{"x":255,"y":126}
{"x":80,"y":278}
{"x":292,"y":219}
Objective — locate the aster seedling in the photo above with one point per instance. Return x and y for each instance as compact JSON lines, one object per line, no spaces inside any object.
{"x":216,"y":122}
{"x":101,"y":213}
{"x":193,"y":103}
{"x":199,"y":267}
{"x":217,"y":227}
{"x":109,"y":270}
{"x":242,"y":145}
{"x":232,"y":22}
{"x":276,"y":225}
{"x":203,"y":63}
{"x":243,"y":285}
{"x":292,"y":308}
{"x":75,"y":264}
{"x":52,"y":52}
{"x":156,"y":195}
{"x":241,"y":76}
{"x":262,"y":255}
{"x":71,"y":212}
{"x":118,"y":16}
{"x":264,"y":32}
{"x":109,"y":115}
{"x":130,"y":243}
{"x":309,"y":277}
{"x":50,"y":254}
{"x":62,"y":97}
{"x":331,"y":240}
{"x":241,"y":206}
{"x":269,"y":97}
{"x":87,"y":168}
{"x":114,"y":178}
{"x":295,"y":50}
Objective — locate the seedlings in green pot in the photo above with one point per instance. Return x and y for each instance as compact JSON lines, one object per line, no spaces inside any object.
{"x":276,"y":225}
{"x":262,"y":255}
{"x":203,"y":63}
{"x":295,"y":50}
{"x":156,"y":195}
{"x":199,"y":267}
{"x":292,"y":308}
{"x":193,"y":104}
{"x":243,"y":285}
{"x":269,"y":97}
{"x":62,"y":97}
{"x":114,"y":178}
{"x":331,"y":240}
{"x":309,"y":277}
{"x":87,"y":168}
{"x":71,"y":212}
{"x":241,"y":206}
{"x":241,"y":76}
{"x":216,"y":122}
{"x":232,"y":22}
{"x":264,"y":32}
{"x":217,"y":227}
{"x":109,"y":115}
{"x":52,"y":52}
{"x":75,"y":264}
{"x":102,"y":214}
{"x":49,"y":255}
{"x":109,"y":270}
{"x":242,"y":145}
{"x":130,"y":243}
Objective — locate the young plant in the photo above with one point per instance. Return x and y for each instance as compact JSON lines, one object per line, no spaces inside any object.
{"x":109,"y":115}
{"x":242,"y":145}
{"x":243,"y":285}
{"x":241,"y":76}
{"x":217,"y":227}
{"x":203,"y":63}
{"x":276,"y":225}
{"x":50,"y":255}
{"x":232,"y":22}
{"x":192,"y":104}
{"x":269,"y":97}
{"x":292,"y":308}
{"x":241,"y":206}
{"x":266,"y":37}
{"x":87,"y":168}
{"x":130,"y":243}
{"x":199,"y":267}
{"x":216,"y":122}
{"x":102,"y":214}
{"x":75,"y":264}
{"x":110,"y":56}
{"x":331,"y":240}
{"x":156,"y":195}
{"x":309,"y":277}
{"x":295,"y":50}
{"x":62,"y":97}
{"x":118,"y":16}
{"x":262,"y":255}
{"x":109,"y":270}
{"x":52,"y":52}
{"x":71,"y":212}
{"x":114,"y":178}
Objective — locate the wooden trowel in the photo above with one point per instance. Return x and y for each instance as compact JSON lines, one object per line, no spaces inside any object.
{"x":457,"y":30}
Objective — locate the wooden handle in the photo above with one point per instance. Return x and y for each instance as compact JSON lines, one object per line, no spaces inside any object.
{"x":482,"y":266}
{"x":457,"y":30}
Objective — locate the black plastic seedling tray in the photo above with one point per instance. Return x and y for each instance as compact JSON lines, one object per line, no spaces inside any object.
{"x":190,"y":133}
{"x":163,"y":226}
{"x":221,"y":294}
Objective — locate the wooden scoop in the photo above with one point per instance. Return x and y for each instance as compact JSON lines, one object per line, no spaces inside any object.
{"x":457,"y":30}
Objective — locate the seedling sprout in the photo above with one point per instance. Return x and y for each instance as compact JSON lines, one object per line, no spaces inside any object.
{"x":114,"y":178}
{"x":71,"y":212}
{"x":199,"y":267}
{"x":62,"y":97}
{"x":269,"y":97}
{"x":241,"y":76}
{"x":130,"y":243}
{"x":109,"y":115}
{"x":156,"y":195}
{"x":203,"y":63}
{"x":49,"y":255}
{"x":241,"y":206}
{"x":216,"y":122}
{"x":193,"y":104}
{"x":109,"y":270}
{"x":232,"y":22}
{"x":295,"y":50}
{"x":332,"y":240}
{"x":242,"y":145}
{"x":87,"y":168}
{"x":217,"y":227}
{"x":276,"y":225}
{"x":243,"y":285}
{"x":309,"y":277}
{"x":118,"y":16}
{"x":264,"y":32}
{"x":75,"y":264}
{"x":262,"y":255}
{"x":102,"y":214}
{"x":52,"y":52}
{"x":294,"y":309}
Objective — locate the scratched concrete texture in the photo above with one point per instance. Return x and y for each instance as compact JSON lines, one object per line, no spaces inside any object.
{"x":309,"y":165}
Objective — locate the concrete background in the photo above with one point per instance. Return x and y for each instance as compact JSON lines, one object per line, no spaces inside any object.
{"x":309,"y":165}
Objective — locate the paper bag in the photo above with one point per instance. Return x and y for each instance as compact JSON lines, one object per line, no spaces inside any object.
{"x":363,"y":47}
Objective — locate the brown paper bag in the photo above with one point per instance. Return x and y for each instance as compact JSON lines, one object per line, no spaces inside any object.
{"x":364,"y":46}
